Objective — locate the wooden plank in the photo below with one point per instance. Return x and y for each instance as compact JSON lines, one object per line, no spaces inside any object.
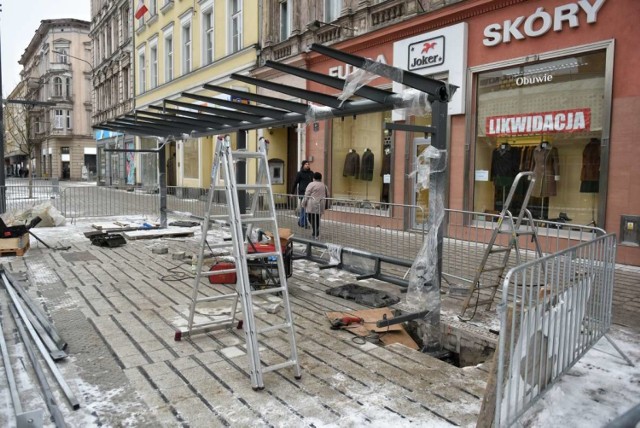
{"x":155,"y":234}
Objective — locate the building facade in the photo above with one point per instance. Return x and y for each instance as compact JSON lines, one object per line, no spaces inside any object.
{"x":180,"y":46}
{"x":56,"y":71}
{"x":112,"y":45}
{"x":17,"y":134}
{"x":546,"y":87}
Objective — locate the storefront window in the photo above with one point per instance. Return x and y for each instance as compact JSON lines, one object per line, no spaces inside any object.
{"x":191,"y":158}
{"x":547,"y":118}
{"x":361,"y":159}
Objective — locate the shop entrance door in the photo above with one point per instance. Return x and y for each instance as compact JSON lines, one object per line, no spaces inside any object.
{"x":420,"y":195}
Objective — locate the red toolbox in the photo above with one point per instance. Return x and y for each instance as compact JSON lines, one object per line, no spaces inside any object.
{"x":224,"y":278}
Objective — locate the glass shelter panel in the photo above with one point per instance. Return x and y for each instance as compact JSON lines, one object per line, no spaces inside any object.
{"x":547,"y":118}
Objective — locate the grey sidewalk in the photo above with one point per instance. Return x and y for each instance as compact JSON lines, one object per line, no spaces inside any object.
{"x":118,"y":310}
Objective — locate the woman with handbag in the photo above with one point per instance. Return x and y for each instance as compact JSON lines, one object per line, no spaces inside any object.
{"x":314,"y":203}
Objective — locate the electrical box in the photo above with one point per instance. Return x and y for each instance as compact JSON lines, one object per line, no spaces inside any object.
{"x":630,"y":230}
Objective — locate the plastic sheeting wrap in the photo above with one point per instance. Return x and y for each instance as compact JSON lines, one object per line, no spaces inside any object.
{"x":423,"y":292}
{"x":371,"y":70}
{"x":315,"y":113}
{"x":335,"y":253}
{"x":414,"y":103}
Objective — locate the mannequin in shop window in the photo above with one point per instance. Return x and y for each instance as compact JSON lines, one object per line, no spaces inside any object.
{"x":351,"y":164}
{"x":590,"y":173}
{"x":366,"y":170}
{"x":505,"y":165}
{"x":546,"y":170}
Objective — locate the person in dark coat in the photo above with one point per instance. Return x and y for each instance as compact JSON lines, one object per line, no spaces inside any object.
{"x":303,"y":178}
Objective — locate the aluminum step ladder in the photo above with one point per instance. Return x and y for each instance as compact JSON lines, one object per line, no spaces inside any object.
{"x":241,"y":225}
{"x":488,"y":277}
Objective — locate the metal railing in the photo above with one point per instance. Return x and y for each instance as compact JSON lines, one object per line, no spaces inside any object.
{"x":553,"y":310}
{"x":466,"y":234}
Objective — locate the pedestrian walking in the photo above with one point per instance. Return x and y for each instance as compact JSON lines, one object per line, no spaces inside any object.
{"x":314,"y":203}
{"x":303,"y":178}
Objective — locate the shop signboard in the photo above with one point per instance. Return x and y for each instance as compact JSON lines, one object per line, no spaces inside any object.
{"x":574,"y":120}
{"x":436,"y":53}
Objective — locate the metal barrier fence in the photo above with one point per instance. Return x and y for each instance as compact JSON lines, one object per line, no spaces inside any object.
{"x":83,"y":201}
{"x":466,"y":235}
{"x":553,"y":310}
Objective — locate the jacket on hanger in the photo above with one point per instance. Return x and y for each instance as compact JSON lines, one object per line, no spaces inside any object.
{"x":366,"y":170}
{"x":351,"y":165}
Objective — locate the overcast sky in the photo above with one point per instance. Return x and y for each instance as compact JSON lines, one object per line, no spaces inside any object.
{"x":19,"y":21}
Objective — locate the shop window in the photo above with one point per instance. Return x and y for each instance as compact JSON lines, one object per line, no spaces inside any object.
{"x":361,"y":159}
{"x":276,"y":170}
{"x":547,"y":118}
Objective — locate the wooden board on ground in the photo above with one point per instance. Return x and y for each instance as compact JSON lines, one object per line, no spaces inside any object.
{"x":393,"y":334}
{"x":18,"y":251}
{"x":157,"y":233}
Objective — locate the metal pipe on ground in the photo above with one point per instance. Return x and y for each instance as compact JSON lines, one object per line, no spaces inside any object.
{"x":43,"y":350}
{"x":58,"y":420}
{"x":31,"y":418}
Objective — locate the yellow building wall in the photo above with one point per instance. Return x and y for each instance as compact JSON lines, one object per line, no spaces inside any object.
{"x":224,"y":64}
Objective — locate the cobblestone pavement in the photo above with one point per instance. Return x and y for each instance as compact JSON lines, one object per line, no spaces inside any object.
{"x":118,"y":309}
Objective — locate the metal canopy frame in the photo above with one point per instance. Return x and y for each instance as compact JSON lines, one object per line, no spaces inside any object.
{"x":193,"y":119}
{"x":195,"y":114}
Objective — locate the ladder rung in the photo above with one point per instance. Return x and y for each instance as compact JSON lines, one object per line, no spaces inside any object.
{"x":287,"y":363}
{"x":254,"y":256}
{"x":525,"y":232}
{"x":253,"y":186}
{"x":245,"y":154}
{"x":486,"y":287}
{"x":274,"y":327}
{"x":215,"y":298}
{"x":221,"y":244}
{"x":246,"y":217}
{"x":267,"y":291}
{"x":483,"y":302}
{"x":500,"y":250}
{"x":217,"y":272}
{"x":493,"y":268}
{"x":212,"y":326}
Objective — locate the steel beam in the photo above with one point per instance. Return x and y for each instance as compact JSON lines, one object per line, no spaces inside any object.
{"x":200,"y":116}
{"x":436,"y":88}
{"x":260,"y":111}
{"x":315,"y":97}
{"x":278,"y":103}
{"x":218,"y":112}
{"x":374,"y":94}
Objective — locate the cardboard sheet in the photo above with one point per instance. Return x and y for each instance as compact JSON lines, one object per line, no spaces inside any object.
{"x":393,"y":334}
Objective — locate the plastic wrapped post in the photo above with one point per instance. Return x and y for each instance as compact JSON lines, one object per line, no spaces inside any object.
{"x":315,"y":113}
{"x":423,"y":292}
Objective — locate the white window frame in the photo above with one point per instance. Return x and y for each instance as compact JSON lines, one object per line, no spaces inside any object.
{"x":285,"y":19}
{"x":153,"y":7}
{"x":57,"y":86}
{"x":234,"y":17}
{"x":142,"y":70}
{"x":68,"y":89}
{"x":153,"y":63}
{"x":58,"y":119}
{"x":186,"y":45}
{"x":208,"y":35}
{"x":68,"y":119}
{"x":169,"y":60}
{"x":62,"y":54}
{"x":332,"y":9}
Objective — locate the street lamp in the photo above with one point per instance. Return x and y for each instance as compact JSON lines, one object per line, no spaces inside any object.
{"x":74,"y":57}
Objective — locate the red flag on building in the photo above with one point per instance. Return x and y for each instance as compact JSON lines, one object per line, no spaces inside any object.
{"x":141,"y":9}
